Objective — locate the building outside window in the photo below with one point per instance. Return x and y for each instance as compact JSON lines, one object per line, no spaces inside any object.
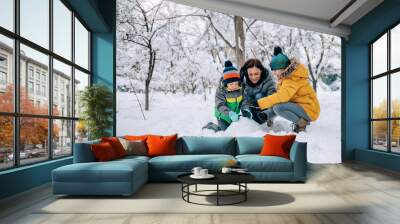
{"x":35,"y":55}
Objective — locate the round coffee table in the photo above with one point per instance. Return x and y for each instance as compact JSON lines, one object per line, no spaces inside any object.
{"x":238,"y":179}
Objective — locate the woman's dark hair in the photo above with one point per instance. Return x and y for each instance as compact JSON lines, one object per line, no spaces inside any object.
{"x":253,"y":62}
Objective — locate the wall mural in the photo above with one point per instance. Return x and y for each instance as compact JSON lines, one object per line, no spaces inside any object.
{"x":192,"y":71}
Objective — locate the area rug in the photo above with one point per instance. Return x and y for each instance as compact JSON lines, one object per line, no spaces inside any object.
{"x":166,"y":198}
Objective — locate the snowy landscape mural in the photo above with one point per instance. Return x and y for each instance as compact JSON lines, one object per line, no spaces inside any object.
{"x":170,"y":60}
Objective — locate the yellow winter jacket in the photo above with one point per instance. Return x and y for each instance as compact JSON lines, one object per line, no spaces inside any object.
{"x":294,"y":87}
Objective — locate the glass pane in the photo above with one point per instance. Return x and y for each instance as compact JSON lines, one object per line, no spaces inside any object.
{"x":81,"y":45}
{"x":62,"y":138}
{"x":35,"y":21}
{"x":395,"y":136}
{"x":33,"y":139}
{"x":379,"y":135}
{"x":81,"y":131}
{"x":6,"y":75}
{"x":395,"y":94}
{"x":379,"y":97}
{"x":62,"y":89}
{"x":62,"y":29}
{"x":6,"y":142}
{"x":7,"y":14}
{"x":34,"y":97}
{"x":395,"y":47}
{"x":379,"y":55}
{"x":81,"y":81}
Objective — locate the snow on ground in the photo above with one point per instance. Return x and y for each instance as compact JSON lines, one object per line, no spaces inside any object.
{"x":186,"y":115}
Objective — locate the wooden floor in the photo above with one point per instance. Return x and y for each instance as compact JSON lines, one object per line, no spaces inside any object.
{"x":378,"y":188}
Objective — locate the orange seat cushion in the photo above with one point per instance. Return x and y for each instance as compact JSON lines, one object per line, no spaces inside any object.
{"x":276,"y":145}
{"x":161,"y":145}
{"x":103,"y":151}
{"x":116,"y":145}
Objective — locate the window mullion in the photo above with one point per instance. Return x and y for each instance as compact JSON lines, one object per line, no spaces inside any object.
{"x":73,"y":81}
{"x":389,"y":104}
{"x":50,"y":81}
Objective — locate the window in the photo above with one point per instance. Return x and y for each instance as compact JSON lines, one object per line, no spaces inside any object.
{"x":6,"y":142}
{"x":3,"y":78}
{"x":3,"y":61}
{"x":44,"y":91}
{"x":62,"y":137}
{"x":62,"y":75}
{"x":54,"y":126}
{"x":81,"y":81}
{"x":30,"y":72}
{"x":62,"y":29}
{"x":30,"y":87}
{"x":34,"y":21}
{"x":37,"y":74}
{"x":38,"y":89}
{"x":385,"y":97}
{"x":6,"y":74}
{"x":7,"y":14}
{"x":81,"y":45}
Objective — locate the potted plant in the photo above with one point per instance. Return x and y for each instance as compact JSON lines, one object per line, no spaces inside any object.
{"x":96,"y":102}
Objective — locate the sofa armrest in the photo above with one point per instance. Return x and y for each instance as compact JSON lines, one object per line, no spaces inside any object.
{"x":298,"y":155}
{"x":83,"y":152}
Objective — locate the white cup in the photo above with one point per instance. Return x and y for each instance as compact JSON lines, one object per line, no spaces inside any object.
{"x":196,"y":171}
{"x":226,"y":170}
{"x":203,"y":172}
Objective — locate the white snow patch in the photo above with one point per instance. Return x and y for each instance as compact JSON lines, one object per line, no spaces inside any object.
{"x":187,"y":114}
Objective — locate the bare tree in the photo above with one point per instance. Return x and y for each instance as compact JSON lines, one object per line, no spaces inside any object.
{"x":317,"y":49}
{"x":144,"y":27}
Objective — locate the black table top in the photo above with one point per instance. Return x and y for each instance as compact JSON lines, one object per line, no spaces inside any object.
{"x":220,"y":178}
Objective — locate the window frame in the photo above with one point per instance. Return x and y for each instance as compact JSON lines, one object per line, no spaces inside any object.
{"x":16,"y":114}
{"x":388,"y":74}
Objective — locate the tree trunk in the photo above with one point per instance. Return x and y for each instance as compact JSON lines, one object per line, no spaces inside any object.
{"x":152,"y":61}
{"x":314,"y":85}
{"x":239,"y":40}
{"x":146,"y":94}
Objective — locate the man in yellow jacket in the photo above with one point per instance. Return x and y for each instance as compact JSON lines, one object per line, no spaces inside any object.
{"x":295,"y":99}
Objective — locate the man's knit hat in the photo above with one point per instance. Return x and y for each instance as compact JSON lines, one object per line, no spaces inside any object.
{"x":231,"y":74}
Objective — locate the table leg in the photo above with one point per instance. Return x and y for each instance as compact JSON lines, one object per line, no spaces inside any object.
{"x":217,"y":194}
{"x":245,"y":193}
{"x":196,"y":188}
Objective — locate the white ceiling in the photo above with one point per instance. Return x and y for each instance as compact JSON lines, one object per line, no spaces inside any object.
{"x":316,"y":15}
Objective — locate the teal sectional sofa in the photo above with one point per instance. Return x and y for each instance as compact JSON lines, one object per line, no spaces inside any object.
{"x":125,"y":176}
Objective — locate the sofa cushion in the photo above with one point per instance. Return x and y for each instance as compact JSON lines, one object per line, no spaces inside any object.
{"x":185,"y":163}
{"x":103,"y":152}
{"x":136,"y":147}
{"x":257,"y":163}
{"x":116,"y":145}
{"x":112,"y":171}
{"x":249,"y":145}
{"x":161,"y":145}
{"x":277,"y":145}
{"x":193,"y":145}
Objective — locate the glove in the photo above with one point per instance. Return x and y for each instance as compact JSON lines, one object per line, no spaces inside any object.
{"x":233,"y":116}
{"x":263,"y":117}
{"x":247,"y":113}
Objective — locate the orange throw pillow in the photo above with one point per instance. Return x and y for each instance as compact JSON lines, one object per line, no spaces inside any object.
{"x":276,"y":145}
{"x":161,"y":145}
{"x":116,"y":145}
{"x":136,"y":137}
{"x":103,"y":151}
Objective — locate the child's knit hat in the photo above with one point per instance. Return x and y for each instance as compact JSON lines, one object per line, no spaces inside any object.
{"x":279,"y":60}
{"x":231,"y":73}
